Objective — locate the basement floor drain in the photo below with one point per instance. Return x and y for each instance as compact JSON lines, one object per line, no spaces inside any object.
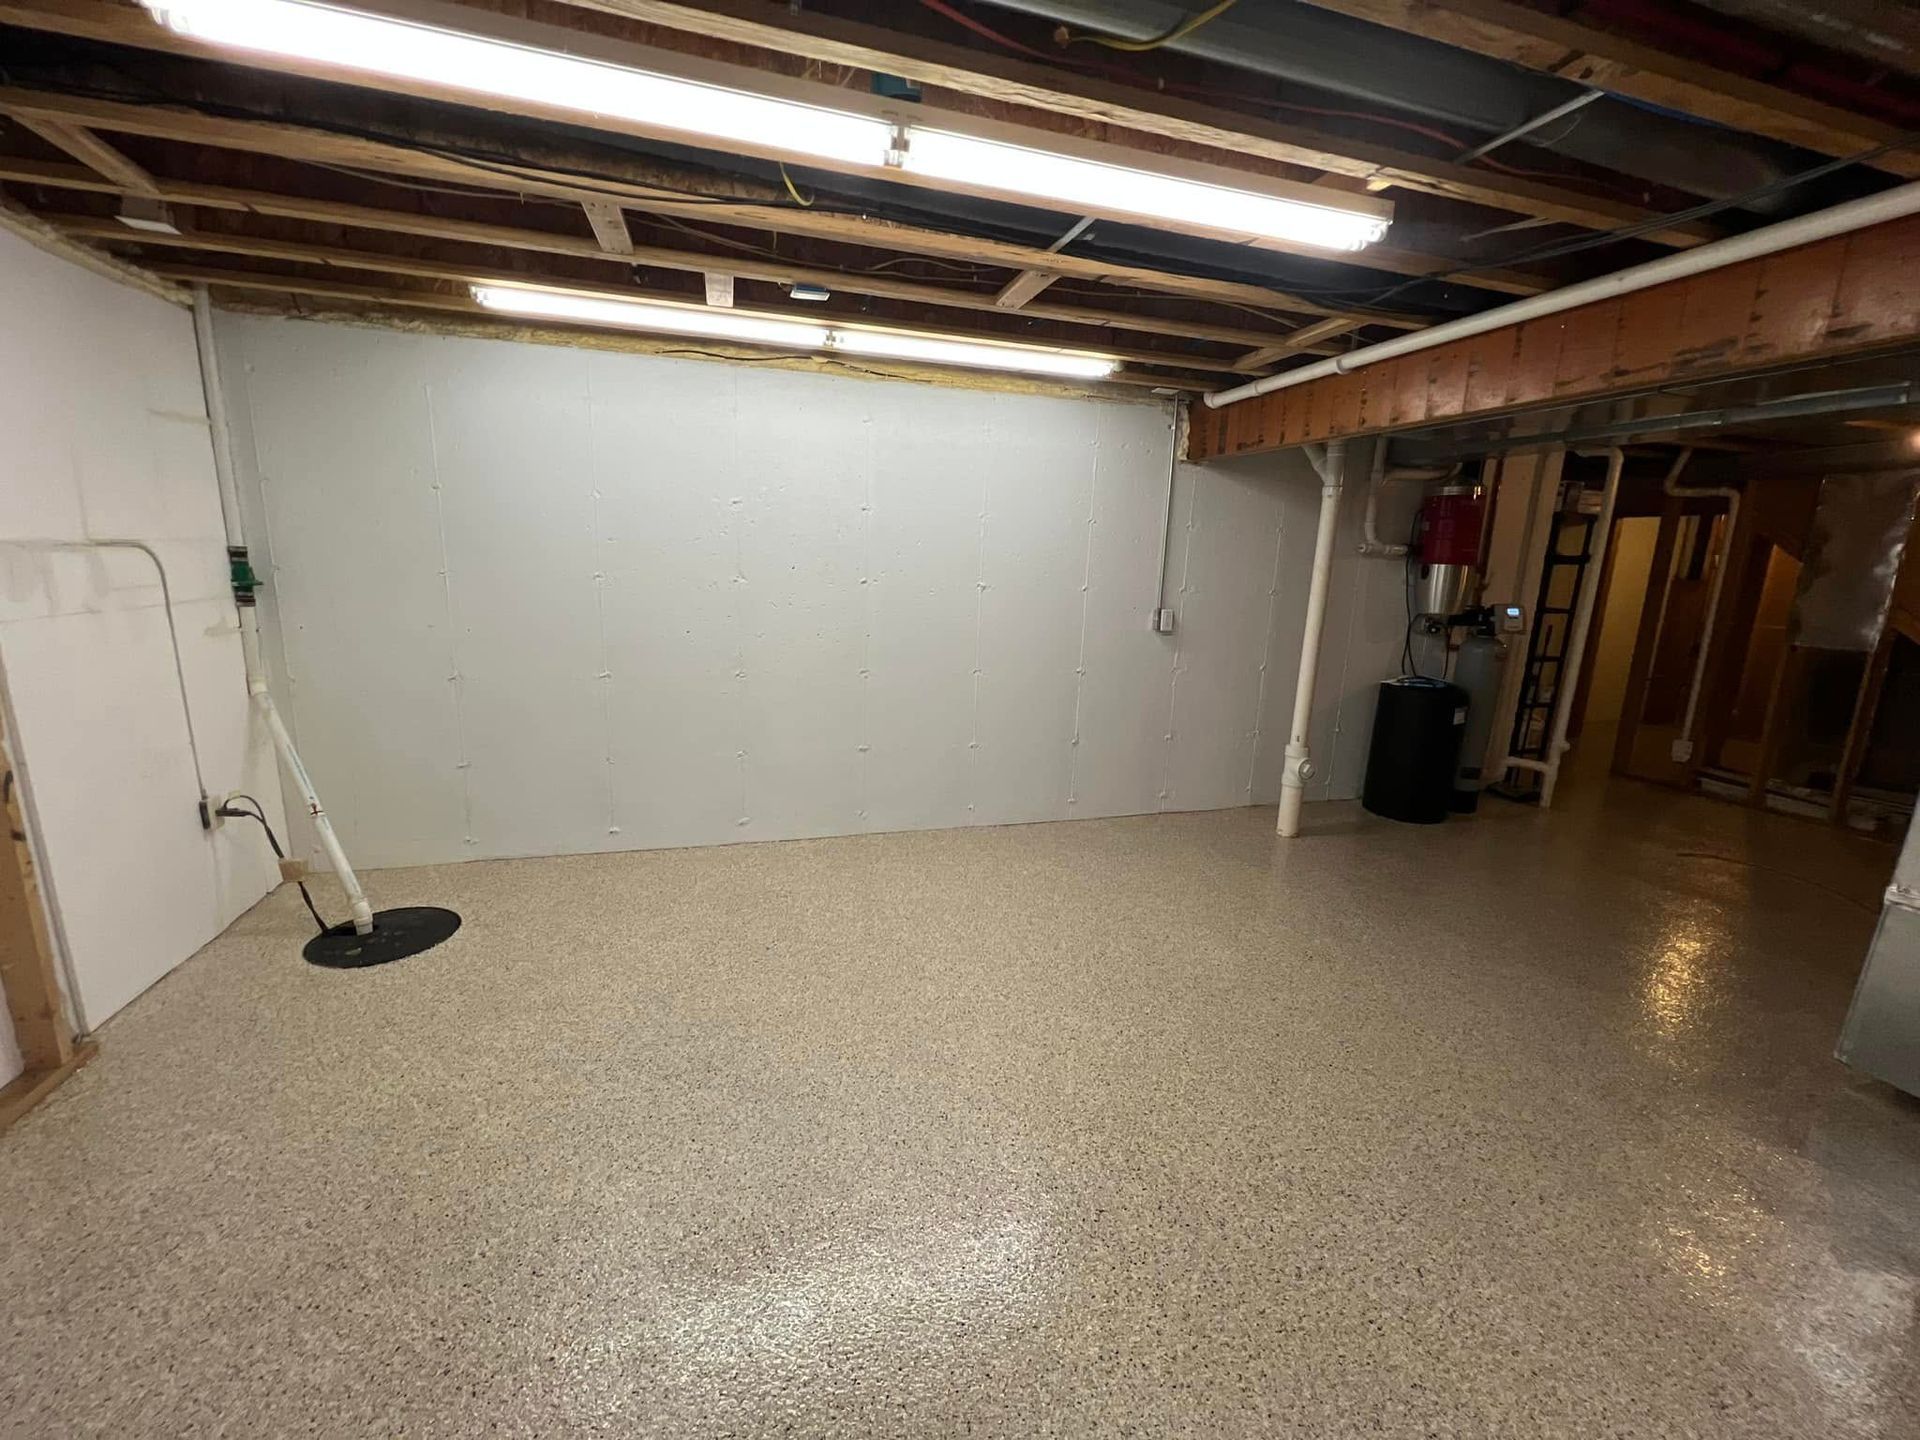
{"x":397,"y":933}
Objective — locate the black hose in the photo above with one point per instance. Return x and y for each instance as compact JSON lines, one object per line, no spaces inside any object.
{"x":256,"y":813}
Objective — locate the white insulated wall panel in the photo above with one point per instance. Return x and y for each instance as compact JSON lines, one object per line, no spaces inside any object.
{"x":1119,"y":762}
{"x":924,"y":608}
{"x":106,"y":437}
{"x":1230,"y":523}
{"x":621,"y":601}
{"x":669,"y":625}
{"x":800,"y":472}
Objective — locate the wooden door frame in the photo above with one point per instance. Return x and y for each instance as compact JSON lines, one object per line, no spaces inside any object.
{"x":29,"y":963}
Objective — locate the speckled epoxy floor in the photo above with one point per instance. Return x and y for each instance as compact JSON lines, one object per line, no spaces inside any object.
{"x":1522,"y":1126}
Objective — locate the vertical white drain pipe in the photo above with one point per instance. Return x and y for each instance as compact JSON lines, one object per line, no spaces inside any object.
{"x":1332,"y":465}
{"x":257,"y":691}
{"x":1576,"y":651}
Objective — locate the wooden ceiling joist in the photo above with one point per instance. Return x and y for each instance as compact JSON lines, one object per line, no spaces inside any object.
{"x":379,"y":219}
{"x":1005,"y":80}
{"x":1303,"y":341}
{"x":1015,"y":294}
{"x":1591,"y":56}
{"x":1825,"y":301}
{"x":381,"y":262}
{"x":296,"y":142}
{"x":94,"y":153}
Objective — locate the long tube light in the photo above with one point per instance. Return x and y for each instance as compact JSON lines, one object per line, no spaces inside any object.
{"x":790,"y":334}
{"x":309,"y":30}
{"x":1077,"y":184}
{"x":640,"y":315}
{"x":405,"y":50}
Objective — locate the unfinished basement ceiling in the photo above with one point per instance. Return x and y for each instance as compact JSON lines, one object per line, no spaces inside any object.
{"x":338,"y":193}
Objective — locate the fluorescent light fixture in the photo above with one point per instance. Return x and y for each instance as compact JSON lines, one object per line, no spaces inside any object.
{"x":1068,"y":182}
{"x":408,"y":51}
{"x":937,"y":350}
{"x":710,"y":324}
{"x":790,"y":334}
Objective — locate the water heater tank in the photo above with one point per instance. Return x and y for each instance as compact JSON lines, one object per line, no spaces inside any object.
{"x":1448,"y":549}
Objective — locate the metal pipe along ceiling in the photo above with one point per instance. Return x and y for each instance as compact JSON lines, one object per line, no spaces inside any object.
{"x":1404,"y":75}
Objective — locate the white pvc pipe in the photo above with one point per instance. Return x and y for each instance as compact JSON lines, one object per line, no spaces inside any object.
{"x":224,"y":472}
{"x":1682,"y":749}
{"x":1332,"y":465}
{"x":261,"y":698}
{"x":1371,"y":544}
{"x":1370,"y":541}
{"x":1568,"y":683}
{"x":1892,"y":204}
{"x":329,"y":842}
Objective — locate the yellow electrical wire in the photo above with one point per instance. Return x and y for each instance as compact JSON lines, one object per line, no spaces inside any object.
{"x":798,"y":198}
{"x":1179,"y":32}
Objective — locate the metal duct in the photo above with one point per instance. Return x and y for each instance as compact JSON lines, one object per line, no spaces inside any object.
{"x":1378,"y":68}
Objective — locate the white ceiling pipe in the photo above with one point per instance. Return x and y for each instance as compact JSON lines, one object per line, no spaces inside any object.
{"x":1892,"y":204}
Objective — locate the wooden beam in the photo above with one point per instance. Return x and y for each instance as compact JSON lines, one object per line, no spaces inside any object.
{"x":93,"y":152}
{"x":609,"y":224}
{"x":379,"y":262}
{"x":27,"y":960}
{"x":1002,"y":80}
{"x":406,"y":222}
{"x":1583,"y":53}
{"x":1304,"y":340}
{"x":32,"y":1086}
{"x":386,"y":295}
{"x":296,"y":142}
{"x":1029,"y":283}
{"x":1838,"y":297}
{"x":1022,"y":288}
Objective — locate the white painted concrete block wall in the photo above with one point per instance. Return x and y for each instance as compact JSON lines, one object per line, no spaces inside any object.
{"x":531,"y":600}
{"x":106,"y":436}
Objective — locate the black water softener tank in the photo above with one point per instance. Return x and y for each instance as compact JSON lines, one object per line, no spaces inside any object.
{"x":1416,"y":745}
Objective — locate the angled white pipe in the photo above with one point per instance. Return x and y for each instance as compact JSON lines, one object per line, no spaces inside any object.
{"x":257,"y":691}
{"x":1332,"y":465}
{"x":1892,"y":204}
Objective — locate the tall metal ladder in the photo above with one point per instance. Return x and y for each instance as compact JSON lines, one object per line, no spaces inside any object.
{"x":1569,"y":553}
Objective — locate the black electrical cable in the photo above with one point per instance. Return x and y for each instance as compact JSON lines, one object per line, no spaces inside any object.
{"x":256,"y":813}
